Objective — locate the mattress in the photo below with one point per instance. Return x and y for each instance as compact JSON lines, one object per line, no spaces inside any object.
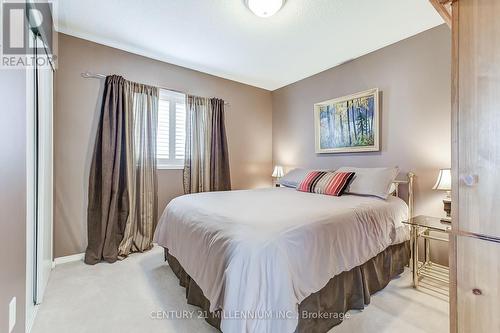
{"x":257,"y":254}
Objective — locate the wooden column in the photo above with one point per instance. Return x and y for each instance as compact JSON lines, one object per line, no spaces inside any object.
{"x":475,"y":251}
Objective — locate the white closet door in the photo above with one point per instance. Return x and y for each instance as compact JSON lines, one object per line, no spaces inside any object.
{"x":30,"y":196}
{"x":45,"y":180}
{"x":39,"y":170}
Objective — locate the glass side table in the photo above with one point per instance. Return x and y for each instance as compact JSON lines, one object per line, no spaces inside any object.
{"x":421,"y":226}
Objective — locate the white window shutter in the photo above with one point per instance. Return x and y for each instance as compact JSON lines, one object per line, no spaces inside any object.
{"x":163,"y":135}
{"x":180,"y":130}
{"x":171,"y":137}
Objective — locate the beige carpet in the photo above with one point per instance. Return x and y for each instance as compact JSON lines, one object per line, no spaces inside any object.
{"x":121,"y":298}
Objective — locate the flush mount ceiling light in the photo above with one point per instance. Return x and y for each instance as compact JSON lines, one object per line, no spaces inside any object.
{"x":265,"y":8}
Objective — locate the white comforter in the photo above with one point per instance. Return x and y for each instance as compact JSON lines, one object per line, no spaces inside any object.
{"x":259,"y":253}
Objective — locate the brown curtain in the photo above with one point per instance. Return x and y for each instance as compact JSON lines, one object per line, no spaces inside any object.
{"x":121,"y":214}
{"x":206,"y":165}
{"x":220,"y":178}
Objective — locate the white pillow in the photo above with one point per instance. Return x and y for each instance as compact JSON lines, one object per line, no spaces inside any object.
{"x":294,"y":177}
{"x":371,"y":181}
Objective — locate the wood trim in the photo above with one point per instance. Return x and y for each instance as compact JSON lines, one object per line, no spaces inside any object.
{"x":475,"y":150}
{"x":442,"y":9}
{"x":478,"y":285}
{"x":454,"y":163}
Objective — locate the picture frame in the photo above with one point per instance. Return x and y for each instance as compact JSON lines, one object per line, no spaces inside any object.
{"x":348,"y":124}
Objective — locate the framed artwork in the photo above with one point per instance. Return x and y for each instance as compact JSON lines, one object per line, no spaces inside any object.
{"x":348,"y":124}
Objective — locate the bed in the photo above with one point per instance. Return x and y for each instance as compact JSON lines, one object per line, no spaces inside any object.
{"x":280,"y":260}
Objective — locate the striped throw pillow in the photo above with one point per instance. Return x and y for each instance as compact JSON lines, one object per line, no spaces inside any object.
{"x":323,"y":182}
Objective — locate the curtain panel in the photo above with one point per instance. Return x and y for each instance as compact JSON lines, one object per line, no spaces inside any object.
{"x":122,"y":208}
{"x":138,"y":234}
{"x":206,"y":166}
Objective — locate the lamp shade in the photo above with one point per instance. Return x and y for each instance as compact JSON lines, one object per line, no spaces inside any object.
{"x":278,"y":171}
{"x":443,"y":182}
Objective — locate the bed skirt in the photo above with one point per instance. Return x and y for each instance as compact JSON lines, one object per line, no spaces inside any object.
{"x":321,"y":311}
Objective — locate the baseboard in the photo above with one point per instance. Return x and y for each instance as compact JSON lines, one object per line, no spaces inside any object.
{"x":66,"y":259}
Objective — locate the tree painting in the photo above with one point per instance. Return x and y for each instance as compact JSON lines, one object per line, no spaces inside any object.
{"x":347,"y":123}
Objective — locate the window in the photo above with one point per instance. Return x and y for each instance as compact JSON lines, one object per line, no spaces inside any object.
{"x":171,"y":136}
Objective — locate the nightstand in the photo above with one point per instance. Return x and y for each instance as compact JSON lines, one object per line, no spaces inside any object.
{"x":421,"y":226}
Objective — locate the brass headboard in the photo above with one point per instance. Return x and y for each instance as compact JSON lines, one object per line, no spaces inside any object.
{"x":409,"y":181}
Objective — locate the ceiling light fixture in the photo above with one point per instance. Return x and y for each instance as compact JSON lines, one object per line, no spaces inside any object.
{"x":265,"y":8}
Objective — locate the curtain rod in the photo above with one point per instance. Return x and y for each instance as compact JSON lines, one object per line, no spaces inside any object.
{"x":89,"y":75}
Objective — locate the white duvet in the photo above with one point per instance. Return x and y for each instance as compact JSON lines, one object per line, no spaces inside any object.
{"x":257,"y":254}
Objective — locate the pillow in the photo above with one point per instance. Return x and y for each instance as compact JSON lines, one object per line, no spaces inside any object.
{"x":371,"y":181}
{"x":392,"y":189}
{"x":324,"y":182}
{"x":293,"y":178}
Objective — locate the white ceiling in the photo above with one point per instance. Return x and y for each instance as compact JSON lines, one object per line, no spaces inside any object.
{"x":223,"y":38}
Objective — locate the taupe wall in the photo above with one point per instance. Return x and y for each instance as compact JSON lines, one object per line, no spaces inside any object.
{"x":12,"y":196}
{"x":248,"y":124}
{"x":414,"y":78}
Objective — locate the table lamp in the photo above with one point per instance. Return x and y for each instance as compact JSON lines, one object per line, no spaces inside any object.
{"x":278,"y":173}
{"x":443,"y":183}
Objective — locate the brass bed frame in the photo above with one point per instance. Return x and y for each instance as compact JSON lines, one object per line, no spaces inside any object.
{"x":410,"y":178}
